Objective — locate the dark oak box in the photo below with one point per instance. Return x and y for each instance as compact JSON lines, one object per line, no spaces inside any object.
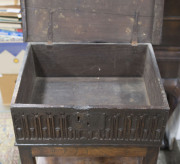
{"x":74,"y":90}
{"x":89,"y":93}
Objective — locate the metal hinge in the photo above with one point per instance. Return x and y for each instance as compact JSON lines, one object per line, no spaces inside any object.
{"x":134,"y":41}
{"x":50,"y":28}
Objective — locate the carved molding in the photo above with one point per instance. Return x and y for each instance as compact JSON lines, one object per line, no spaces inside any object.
{"x":89,"y":126}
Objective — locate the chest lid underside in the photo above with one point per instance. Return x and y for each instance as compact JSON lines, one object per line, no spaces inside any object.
{"x":119,"y":21}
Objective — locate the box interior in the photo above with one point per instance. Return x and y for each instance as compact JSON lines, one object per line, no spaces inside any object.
{"x":90,"y":74}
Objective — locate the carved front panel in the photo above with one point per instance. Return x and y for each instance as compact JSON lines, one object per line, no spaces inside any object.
{"x":89,"y":126}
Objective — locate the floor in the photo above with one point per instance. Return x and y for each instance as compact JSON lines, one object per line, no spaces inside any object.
{"x":9,"y":153}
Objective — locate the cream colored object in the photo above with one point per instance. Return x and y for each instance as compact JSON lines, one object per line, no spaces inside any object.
{"x":7,"y":84}
{"x":10,"y":64}
{"x":9,"y":2}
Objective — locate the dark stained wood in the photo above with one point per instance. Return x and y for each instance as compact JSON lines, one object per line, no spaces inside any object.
{"x":46,"y":89}
{"x":70,"y":98}
{"x":26,"y":155}
{"x":89,"y":151}
{"x":64,"y":126}
{"x":151,"y":156}
{"x":171,"y":8}
{"x":87,"y":118}
{"x":171,"y":34}
{"x":87,"y":21}
{"x":107,"y":60}
{"x":171,"y":23}
{"x":116,"y":155}
{"x":168,"y":59}
{"x":89,"y":60}
{"x":157,"y":25}
{"x":152,"y":83}
{"x":29,"y":71}
{"x":90,"y":114}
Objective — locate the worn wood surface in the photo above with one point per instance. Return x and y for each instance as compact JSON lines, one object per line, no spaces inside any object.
{"x":90,"y":91}
{"x":151,"y":156}
{"x":89,"y":60}
{"x":158,"y":23}
{"x":97,"y":126}
{"x":89,"y":151}
{"x":88,"y":21}
{"x":171,"y":23}
{"x":168,"y":57}
{"x":107,"y":60}
{"x":26,"y":155}
{"x":113,"y":97}
{"x":88,"y":155}
{"x":151,"y":82}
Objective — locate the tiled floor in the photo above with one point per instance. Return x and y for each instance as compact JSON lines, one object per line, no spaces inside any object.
{"x":3,"y":109}
{"x":7,"y":149}
{"x":170,"y":157}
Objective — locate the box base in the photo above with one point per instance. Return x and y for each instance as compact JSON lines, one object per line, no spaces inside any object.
{"x":84,"y":91}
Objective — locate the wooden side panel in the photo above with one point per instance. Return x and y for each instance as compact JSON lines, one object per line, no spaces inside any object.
{"x":27,"y":79}
{"x":89,"y":60}
{"x":151,"y":81}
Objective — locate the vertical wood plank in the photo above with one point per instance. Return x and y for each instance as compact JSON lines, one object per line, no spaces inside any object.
{"x":26,"y":155}
{"x":151,"y":156}
{"x":158,"y":22}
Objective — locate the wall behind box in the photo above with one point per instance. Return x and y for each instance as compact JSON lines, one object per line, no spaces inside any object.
{"x":11,"y":57}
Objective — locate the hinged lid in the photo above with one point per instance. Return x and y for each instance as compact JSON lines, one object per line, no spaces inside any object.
{"x":123,"y":21}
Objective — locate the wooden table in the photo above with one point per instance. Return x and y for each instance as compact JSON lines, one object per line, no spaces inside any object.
{"x":130,"y":155}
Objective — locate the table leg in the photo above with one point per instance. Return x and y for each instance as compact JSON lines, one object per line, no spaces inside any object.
{"x":26,"y":155}
{"x":151,"y":156}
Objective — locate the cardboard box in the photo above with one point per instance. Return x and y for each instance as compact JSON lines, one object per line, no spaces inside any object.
{"x":11,"y":57}
{"x":7,"y":83}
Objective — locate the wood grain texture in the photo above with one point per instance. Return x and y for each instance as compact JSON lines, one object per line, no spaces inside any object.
{"x":89,"y":60}
{"x":30,"y":72}
{"x":171,"y":24}
{"x":151,"y":156}
{"x":26,"y":155}
{"x":158,"y":22}
{"x":87,"y":21}
{"x":89,"y":151}
{"x":152,"y":83}
{"x":65,"y":105}
{"x":89,"y":91}
{"x":168,"y":59}
{"x":111,"y":127}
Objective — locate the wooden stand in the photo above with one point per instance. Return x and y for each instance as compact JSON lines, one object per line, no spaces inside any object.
{"x":140,"y":155}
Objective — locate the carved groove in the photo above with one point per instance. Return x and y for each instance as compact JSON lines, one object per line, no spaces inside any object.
{"x":117,"y":127}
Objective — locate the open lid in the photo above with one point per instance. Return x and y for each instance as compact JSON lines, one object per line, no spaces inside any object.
{"x":123,"y":21}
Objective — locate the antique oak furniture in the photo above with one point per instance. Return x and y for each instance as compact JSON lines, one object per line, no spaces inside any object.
{"x":168,"y":58}
{"x":77,"y":96}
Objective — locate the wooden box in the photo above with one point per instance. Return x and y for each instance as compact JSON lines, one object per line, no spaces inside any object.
{"x":90,"y":94}
{"x":76,"y":90}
